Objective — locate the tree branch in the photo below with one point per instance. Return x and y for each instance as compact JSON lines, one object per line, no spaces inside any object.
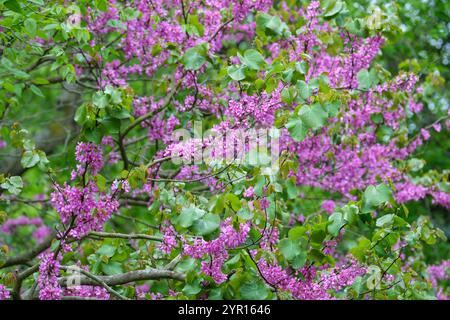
{"x":132,"y":276}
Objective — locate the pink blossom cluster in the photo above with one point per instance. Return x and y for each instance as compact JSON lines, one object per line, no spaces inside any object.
{"x":305,"y":284}
{"x":50,"y":288}
{"x":4,"y":293}
{"x":148,"y":35}
{"x":40,"y":233}
{"x":170,"y":237}
{"x":260,"y":108}
{"x":95,"y":292}
{"x":216,"y":249}
{"x":438,"y":273}
{"x":11,"y":224}
{"x":49,"y":267}
{"x":87,"y":207}
{"x":89,"y":155}
{"x":328,"y":206}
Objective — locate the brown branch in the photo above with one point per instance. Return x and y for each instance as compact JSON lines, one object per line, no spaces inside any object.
{"x":123,"y":236}
{"x":132,"y":276}
{"x":24,"y":258}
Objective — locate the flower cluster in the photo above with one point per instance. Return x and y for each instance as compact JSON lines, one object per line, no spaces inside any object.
{"x":229,"y":238}
{"x":40,"y":233}
{"x":49,"y":267}
{"x":438,"y":273}
{"x":89,"y":155}
{"x":170,"y":238}
{"x":305,"y":285}
{"x":85,"y":209}
{"x":4,"y":293}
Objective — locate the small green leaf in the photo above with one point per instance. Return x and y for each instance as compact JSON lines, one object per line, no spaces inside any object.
{"x":364,"y":80}
{"x":236,"y":72}
{"x":289,"y":248}
{"x":107,"y":250}
{"x":252,"y":59}
{"x":245,"y":214}
{"x":305,"y":90}
{"x":313,"y":117}
{"x":30,"y":27}
{"x":189,"y":215}
{"x":337,"y":222}
{"x":333,"y":8}
{"x":36,"y":91}
{"x":207,"y":224}
{"x":13,"y":5}
{"x":112,"y":268}
{"x":297,"y":129}
{"x":195,"y":57}
{"x":29,"y":159}
{"x":374,"y":196}
{"x":13,"y":184}
{"x":385,"y":221}
{"x":254,"y":290}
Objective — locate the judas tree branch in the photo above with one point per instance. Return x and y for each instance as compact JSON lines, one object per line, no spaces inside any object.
{"x":28,"y":256}
{"x":124,"y":278}
{"x":123,"y":236}
{"x":98,"y":280}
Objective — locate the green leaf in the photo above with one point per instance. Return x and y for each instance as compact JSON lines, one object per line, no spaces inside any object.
{"x":191,"y":289}
{"x":107,"y":250}
{"x":40,"y":81}
{"x":112,"y":268}
{"x":313,"y":117}
{"x":189,"y":215}
{"x":245,"y":214}
{"x":364,"y":80}
{"x":13,"y":184}
{"x":332,"y":8}
{"x":292,"y":190}
{"x":289,"y":248}
{"x":299,"y":260}
{"x":38,"y":2}
{"x":30,"y":27}
{"x":288,"y":95}
{"x":29,"y":159}
{"x":337,"y":222}
{"x":101,"y":182}
{"x":236,"y":72}
{"x":13,"y":5}
{"x":374,"y":196}
{"x":297,"y":129}
{"x":254,"y":290}
{"x":296,"y":232}
{"x":81,"y":115}
{"x":305,"y":90}
{"x":252,"y":59}
{"x":268,"y":25}
{"x":36,"y":91}
{"x":207,"y":224}
{"x":385,"y":221}
{"x":359,"y":251}
{"x":234,"y":201}
{"x":195,"y":57}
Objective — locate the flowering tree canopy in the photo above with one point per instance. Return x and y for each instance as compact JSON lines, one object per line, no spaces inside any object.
{"x":249,"y":149}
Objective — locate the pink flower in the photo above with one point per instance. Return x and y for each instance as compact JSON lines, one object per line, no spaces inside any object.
{"x":264,"y":203}
{"x":425,"y":134}
{"x":437,"y":127}
{"x":4,"y":293}
{"x":328,"y":206}
{"x":249,"y":192}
